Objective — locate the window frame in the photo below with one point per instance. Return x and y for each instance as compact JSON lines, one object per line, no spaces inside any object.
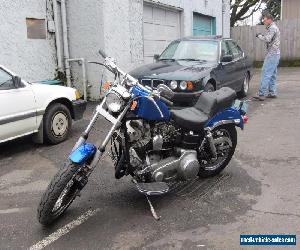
{"x":241,"y":52}
{"x":12,"y":76}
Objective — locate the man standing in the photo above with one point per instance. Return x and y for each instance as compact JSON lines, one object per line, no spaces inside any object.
{"x":268,"y":84}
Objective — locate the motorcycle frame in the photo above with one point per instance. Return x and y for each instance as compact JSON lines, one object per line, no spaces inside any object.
{"x":79,"y":154}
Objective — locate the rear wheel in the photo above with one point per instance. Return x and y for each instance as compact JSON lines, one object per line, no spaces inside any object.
{"x":59,"y":195}
{"x":227,"y":135}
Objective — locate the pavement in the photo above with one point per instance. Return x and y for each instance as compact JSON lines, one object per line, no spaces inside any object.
{"x":258,"y":193}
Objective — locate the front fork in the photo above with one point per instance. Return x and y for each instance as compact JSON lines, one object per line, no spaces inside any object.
{"x":101,"y":148}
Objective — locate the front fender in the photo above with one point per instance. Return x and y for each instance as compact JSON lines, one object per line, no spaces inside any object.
{"x":227,"y":116}
{"x":83,"y":153}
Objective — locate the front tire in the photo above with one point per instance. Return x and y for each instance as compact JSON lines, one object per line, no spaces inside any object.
{"x":245,"y":88}
{"x":59,"y":195}
{"x":211,"y":168}
{"x":57,"y":123}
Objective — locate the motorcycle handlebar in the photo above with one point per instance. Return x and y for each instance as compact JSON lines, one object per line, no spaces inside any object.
{"x":102,"y":53}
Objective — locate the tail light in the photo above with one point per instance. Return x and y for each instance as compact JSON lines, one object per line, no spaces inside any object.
{"x":245,"y":119}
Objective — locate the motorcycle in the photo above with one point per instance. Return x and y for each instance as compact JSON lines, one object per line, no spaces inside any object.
{"x":155,"y":144}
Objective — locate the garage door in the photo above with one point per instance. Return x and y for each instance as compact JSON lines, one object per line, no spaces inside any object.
{"x":203,"y":25}
{"x":160,"y":27}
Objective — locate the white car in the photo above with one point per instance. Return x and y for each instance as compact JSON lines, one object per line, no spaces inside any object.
{"x":45,"y":111}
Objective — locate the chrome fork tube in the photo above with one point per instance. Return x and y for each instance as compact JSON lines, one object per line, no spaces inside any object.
{"x":116,"y":125}
{"x":82,"y":139}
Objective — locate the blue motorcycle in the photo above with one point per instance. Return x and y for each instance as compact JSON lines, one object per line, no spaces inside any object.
{"x":149,"y":140}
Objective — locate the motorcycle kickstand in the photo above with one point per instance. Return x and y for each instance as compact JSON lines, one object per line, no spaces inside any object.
{"x":154,"y":214}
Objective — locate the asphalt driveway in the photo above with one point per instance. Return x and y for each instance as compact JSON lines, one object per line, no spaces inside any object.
{"x":259,"y":192}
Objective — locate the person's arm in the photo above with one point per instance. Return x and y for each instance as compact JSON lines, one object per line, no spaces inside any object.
{"x":268,"y":36}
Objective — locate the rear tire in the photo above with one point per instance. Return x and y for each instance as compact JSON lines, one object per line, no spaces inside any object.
{"x":210,"y":170}
{"x":46,"y":212}
{"x":57,"y":123}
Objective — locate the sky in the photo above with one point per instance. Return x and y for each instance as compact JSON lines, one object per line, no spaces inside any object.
{"x":256,"y":17}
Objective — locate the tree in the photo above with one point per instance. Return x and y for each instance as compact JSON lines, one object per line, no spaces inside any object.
{"x":274,"y":8}
{"x":242,"y":9}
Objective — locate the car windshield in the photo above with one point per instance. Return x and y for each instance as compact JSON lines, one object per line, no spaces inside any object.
{"x":205,"y":50}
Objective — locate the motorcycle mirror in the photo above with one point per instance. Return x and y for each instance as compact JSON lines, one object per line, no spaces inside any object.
{"x":165,"y":91}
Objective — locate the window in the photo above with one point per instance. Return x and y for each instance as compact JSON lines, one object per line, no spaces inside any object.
{"x":202,"y":50}
{"x":36,"y":28}
{"x":6,"y":81}
{"x":235,"y":50}
{"x":225,"y":49}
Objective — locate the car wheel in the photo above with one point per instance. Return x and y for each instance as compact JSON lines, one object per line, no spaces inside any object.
{"x":245,"y":87}
{"x":57,"y":123}
{"x":209,"y":87}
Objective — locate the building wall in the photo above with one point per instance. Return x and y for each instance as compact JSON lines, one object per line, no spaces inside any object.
{"x":85,"y":26}
{"x":115,"y":26}
{"x":290,"y":9}
{"x":206,"y":7}
{"x":33,"y":59}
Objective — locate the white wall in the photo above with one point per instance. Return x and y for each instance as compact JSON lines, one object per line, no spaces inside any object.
{"x":85,"y":22}
{"x":33,"y":59}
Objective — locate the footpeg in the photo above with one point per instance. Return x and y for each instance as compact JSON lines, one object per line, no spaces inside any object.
{"x":153,"y":188}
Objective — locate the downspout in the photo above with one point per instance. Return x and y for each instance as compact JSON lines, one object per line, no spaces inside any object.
{"x":57,"y":37}
{"x":84,"y":78}
{"x":65,"y":41}
{"x":223,"y":10}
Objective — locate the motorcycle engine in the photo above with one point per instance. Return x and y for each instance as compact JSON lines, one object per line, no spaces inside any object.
{"x":152,"y":147}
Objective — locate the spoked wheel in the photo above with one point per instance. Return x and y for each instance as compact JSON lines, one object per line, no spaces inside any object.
{"x":59,"y":195}
{"x":227,"y":137}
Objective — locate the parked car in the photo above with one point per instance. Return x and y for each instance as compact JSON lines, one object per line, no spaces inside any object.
{"x":193,"y":64}
{"x":42,"y":110}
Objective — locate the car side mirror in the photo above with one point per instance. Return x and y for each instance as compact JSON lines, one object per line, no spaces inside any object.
{"x":17,"y":82}
{"x":227,"y":58}
{"x":156,"y":57}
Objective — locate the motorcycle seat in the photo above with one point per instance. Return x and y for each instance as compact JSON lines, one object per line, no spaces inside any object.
{"x":208,"y":104}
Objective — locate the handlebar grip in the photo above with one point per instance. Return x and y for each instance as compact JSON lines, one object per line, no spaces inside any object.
{"x":102,"y":53}
{"x":165,"y":100}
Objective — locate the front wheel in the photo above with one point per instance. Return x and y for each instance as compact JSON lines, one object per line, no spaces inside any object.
{"x":227,"y":136}
{"x":59,"y":195}
{"x":245,"y":88}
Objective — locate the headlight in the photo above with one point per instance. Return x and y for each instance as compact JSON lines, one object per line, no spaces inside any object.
{"x":114,"y":102}
{"x":183,"y":85}
{"x":173,"y":85}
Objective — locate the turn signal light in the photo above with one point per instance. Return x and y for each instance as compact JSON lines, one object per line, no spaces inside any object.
{"x":245,"y":119}
{"x":133,"y":105}
{"x":190,"y":86}
{"x":106,"y":86}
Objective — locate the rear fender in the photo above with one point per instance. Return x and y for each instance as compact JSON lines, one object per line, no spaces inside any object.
{"x":228,"y":116}
{"x":83,"y":153}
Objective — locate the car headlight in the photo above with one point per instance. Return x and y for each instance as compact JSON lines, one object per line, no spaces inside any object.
{"x":183,"y":85}
{"x":114,"y":102}
{"x":173,"y":85}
